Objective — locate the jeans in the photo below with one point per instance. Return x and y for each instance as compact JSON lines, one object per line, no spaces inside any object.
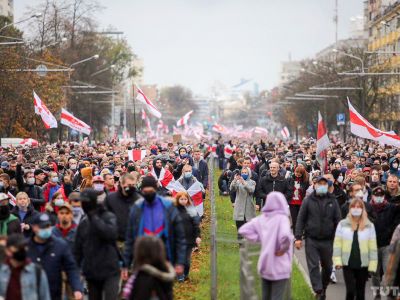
{"x":319,"y":253}
{"x":273,"y":289}
{"x":106,"y":289}
{"x":355,"y":280}
{"x":188,"y":260}
{"x":294,"y":211}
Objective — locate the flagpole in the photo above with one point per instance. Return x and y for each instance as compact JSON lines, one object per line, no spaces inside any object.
{"x":134,"y":114}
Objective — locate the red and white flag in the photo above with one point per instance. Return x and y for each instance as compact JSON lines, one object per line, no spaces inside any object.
{"x":74,"y":123}
{"x":359,"y":126}
{"x":323,"y":144}
{"x":261,"y":130}
{"x":184,"y":120}
{"x":228,"y":150}
{"x":29,"y":142}
{"x":166,"y":179}
{"x":12,"y":200}
{"x":148,"y":104}
{"x":41,"y":109}
{"x":195,"y":192}
{"x":218,"y":128}
{"x":285,"y":132}
{"x":135,"y":155}
{"x":144,"y":115}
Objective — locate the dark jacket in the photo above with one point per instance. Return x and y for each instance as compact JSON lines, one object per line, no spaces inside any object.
{"x":11,"y":225}
{"x":221,"y":178}
{"x":384,"y":223}
{"x":95,"y":246}
{"x":29,"y":217}
{"x":191,"y":225}
{"x":120,"y":205}
{"x":55,"y":256}
{"x":69,"y":238}
{"x":340,"y":195}
{"x":270,"y":184}
{"x":202,"y":173}
{"x":318,"y":217}
{"x":175,"y":242}
{"x":34,"y":192}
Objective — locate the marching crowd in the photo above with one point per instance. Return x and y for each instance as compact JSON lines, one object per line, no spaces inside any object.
{"x":77,"y":218}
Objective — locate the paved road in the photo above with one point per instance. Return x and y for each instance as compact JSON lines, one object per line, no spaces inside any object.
{"x":335,"y":291}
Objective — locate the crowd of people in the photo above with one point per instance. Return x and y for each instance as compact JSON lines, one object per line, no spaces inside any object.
{"x":78,"y":218}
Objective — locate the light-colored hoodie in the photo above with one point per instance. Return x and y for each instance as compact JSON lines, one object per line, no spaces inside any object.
{"x":272,"y":230}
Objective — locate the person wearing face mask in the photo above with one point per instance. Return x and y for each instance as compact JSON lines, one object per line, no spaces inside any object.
{"x":393,"y":169}
{"x":21,"y":278}
{"x":338,"y":191}
{"x":98,"y":186}
{"x":8,"y":222}
{"x":120,"y":203}
{"x":50,"y":188}
{"x":25,"y":212}
{"x":317,"y":220}
{"x":54,"y":256}
{"x":156,"y":216}
{"x":77,"y":210}
{"x":188,"y":180}
{"x":5,"y":186}
{"x":355,"y":249}
{"x":95,"y":248}
{"x":26,"y":183}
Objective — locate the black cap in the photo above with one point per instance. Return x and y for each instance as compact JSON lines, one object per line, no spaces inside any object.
{"x":38,"y":172}
{"x":378,"y":191}
{"x":42,"y":220}
{"x":322,"y":178}
{"x":89,"y":195}
{"x":149,"y":181}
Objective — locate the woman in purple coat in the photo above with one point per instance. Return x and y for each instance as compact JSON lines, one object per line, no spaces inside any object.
{"x":272,"y":230}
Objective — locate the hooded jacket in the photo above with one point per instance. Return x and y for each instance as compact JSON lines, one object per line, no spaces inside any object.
{"x":392,"y":170}
{"x":272,"y":230}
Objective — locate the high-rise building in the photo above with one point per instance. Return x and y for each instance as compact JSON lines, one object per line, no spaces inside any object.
{"x":7,"y":8}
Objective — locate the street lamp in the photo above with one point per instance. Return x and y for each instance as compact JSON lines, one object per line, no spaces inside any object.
{"x":27,"y":19}
{"x":64,"y":39}
{"x":352,"y":56}
{"x":96,"y":56}
{"x":103,"y":70}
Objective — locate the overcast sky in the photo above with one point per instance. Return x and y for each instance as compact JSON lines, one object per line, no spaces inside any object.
{"x":198,"y":42}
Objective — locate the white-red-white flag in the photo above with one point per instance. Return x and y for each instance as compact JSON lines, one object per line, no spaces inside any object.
{"x":29,"y":142}
{"x":74,"y":123}
{"x":135,"y":155}
{"x":323,"y":144}
{"x":195,"y":192}
{"x":359,"y":126}
{"x":228,"y":150}
{"x":261,"y":130}
{"x":218,"y":128}
{"x":12,"y":200}
{"x":184,"y":120}
{"x":285,"y":132}
{"x":148,"y":104}
{"x":144,"y":115}
{"x":41,"y":109}
{"x":166,"y":179}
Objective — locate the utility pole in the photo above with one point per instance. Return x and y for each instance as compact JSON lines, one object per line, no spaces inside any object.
{"x":336,"y":21}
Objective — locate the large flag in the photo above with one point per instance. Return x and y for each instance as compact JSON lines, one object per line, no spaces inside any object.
{"x":41,"y":109}
{"x":285,"y":132}
{"x":148,"y":104}
{"x":29,"y":142}
{"x":69,"y":120}
{"x":261,"y":130}
{"x":218,"y":128}
{"x":322,"y":144}
{"x":135,"y":155}
{"x":144,"y":115}
{"x":359,"y":126}
{"x":195,"y":192}
{"x":166,"y":179}
{"x":184,"y":120}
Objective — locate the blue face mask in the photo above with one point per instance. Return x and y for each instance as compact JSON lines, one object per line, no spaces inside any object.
{"x":245,"y":176}
{"x":330,"y":183}
{"x":321,"y":189}
{"x":45,"y":233}
{"x":188,"y":175}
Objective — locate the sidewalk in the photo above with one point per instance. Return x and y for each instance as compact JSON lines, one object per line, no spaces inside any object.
{"x":335,"y":291}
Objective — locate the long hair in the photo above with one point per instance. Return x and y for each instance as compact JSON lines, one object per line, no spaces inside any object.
{"x":150,"y":250}
{"x":304,"y":174}
{"x":180,"y":195}
{"x":363,"y":218}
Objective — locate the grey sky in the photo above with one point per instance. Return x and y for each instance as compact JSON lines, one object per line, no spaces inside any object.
{"x":196,"y":42}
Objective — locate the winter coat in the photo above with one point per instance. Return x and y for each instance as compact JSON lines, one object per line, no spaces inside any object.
{"x":318,"y":217}
{"x":367,"y":243}
{"x":120,"y":205}
{"x":55,"y":258}
{"x":244,"y":206}
{"x":202,"y":173}
{"x":10,"y":225}
{"x":31,"y":214}
{"x":150,"y":282}
{"x":174,"y":241}
{"x":32,"y":287}
{"x":270,"y":184}
{"x":272,"y":230}
{"x":384,"y":224}
{"x":95,"y":246}
{"x":69,"y":238}
{"x":191,"y":224}
{"x":34,"y":192}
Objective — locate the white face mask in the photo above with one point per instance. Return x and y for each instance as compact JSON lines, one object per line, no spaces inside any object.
{"x":30,"y":181}
{"x":359,"y":194}
{"x":355,"y":211}
{"x":340,"y":179}
{"x":98,"y":187}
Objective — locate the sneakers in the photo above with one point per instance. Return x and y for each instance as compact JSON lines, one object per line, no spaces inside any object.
{"x":333,"y":277}
{"x":320,"y":295}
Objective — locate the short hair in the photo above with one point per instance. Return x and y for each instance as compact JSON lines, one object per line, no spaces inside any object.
{"x":247,"y":158}
{"x":125,"y":177}
{"x":21,"y":194}
{"x":5,"y":177}
{"x":186,"y":167}
{"x":107,"y":174}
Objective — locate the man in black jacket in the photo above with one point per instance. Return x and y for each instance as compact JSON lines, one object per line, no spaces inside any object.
{"x":317,"y":220}
{"x":272,"y":182}
{"x":202,"y":168}
{"x":28,"y":186}
{"x":120,"y":203}
{"x":95,"y":248}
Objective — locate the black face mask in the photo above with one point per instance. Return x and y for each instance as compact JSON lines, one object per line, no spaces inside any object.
{"x":149,"y":197}
{"x":116,"y":178}
{"x":129,"y":190}
{"x":60,"y":167}
{"x":89,"y":206}
{"x":20,"y":255}
{"x":4,"y":212}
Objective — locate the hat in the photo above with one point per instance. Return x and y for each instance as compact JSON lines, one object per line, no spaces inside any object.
{"x":42,"y":220}
{"x":378,"y":191}
{"x":5,"y":165}
{"x":149,"y":181}
{"x":88,"y":195}
{"x":38,"y":172}
{"x":3,"y":196}
{"x":321,"y":178}
{"x":65,"y":205}
{"x":74,"y":196}
{"x":98,"y":178}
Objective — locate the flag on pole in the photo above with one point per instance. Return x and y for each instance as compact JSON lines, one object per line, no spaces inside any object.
{"x":285,"y":132}
{"x":41,"y":109}
{"x":141,"y":97}
{"x":359,"y":126}
{"x":29,"y":142}
{"x":322,"y":144}
{"x":184,"y":120}
{"x":74,"y":123}
{"x":144,"y":115}
{"x":135,"y":155}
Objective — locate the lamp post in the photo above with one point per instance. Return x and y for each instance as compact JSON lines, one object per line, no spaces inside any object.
{"x":24,"y":20}
{"x":96,"y":56}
